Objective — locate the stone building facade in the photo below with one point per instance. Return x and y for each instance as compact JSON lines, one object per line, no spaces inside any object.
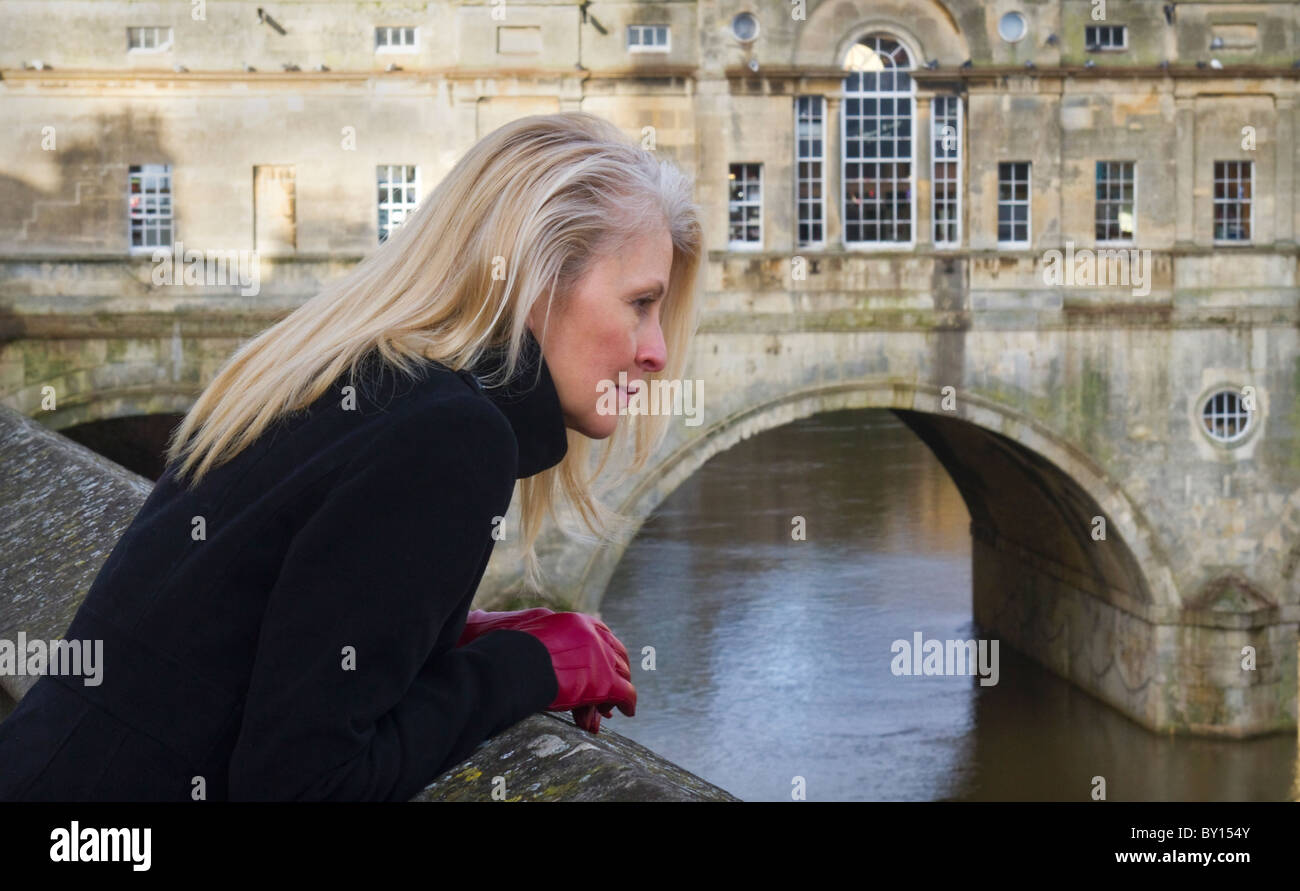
{"x":270,"y":126}
{"x":1075,"y":219}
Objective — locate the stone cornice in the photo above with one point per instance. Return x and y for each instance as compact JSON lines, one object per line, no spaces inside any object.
{"x":639,"y":72}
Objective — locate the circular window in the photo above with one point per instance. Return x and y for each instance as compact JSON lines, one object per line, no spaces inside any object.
{"x":1225,"y":416}
{"x":744,"y":27}
{"x":1012,"y":27}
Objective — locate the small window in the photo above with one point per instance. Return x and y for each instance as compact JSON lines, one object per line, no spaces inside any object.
{"x":396,"y":39}
{"x":744,"y":27}
{"x":1115,"y":200}
{"x":149,"y":39}
{"x":149,"y":203}
{"x":1233,"y":207}
{"x":647,"y":38}
{"x":1097,"y":38}
{"x":1013,"y":203}
{"x":746,"y":205}
{"x":1225,"y":417}
{"x":399,"y":194}
{"x":1012,"y":27}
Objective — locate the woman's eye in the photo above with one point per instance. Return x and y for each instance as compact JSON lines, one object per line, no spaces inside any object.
{"x":644,"y":304}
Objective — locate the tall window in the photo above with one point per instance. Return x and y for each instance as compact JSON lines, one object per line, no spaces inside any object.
{"x":1233,"y":182}
{"x":149,"y":199}
{"x":877,"y":151}
{"x":1013,"y":203}
{"x":809,"y":172}
{"x":1115,"y":200}
{"x":945,"y":169}
{"x":399,"y":189}
{"x":745,"y":205}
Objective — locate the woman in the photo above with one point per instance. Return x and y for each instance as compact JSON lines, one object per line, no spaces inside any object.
{"x":287,"y":616}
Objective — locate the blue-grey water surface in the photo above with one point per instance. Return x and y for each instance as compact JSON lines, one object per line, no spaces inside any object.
{"x":773,"y":655}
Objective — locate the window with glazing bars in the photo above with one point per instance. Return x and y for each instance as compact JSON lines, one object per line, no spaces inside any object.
{"x":1233,"y":181}
{"x":148,"y":38}
{"x":1115,"y":200}
{"x":149,"y":198}
{"x":945,"y":169}
{"x":399,"y":187}
{"x":809,"y":169}
{"x":394,"y":37}
{"x":1105,"y":37}
{"x":648,"y":37}
{"x":745,"y":206}
{"x":877,"y":143}
{"x":1013,"y":202}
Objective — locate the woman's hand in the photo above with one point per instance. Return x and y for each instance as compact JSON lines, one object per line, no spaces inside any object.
{"x":480,"y":622}
{"x":590,"y":663}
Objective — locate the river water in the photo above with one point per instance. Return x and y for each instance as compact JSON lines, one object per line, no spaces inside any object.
{"x":772,"y":655}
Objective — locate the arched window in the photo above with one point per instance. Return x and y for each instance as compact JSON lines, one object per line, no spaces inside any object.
{"x":877,"y":151}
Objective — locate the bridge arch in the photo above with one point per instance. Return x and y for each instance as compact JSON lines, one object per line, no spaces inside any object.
{"x":1025,"y":487}
{"x":79,"y":400}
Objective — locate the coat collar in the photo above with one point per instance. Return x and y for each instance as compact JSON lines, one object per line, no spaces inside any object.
{"x":530,"y":403}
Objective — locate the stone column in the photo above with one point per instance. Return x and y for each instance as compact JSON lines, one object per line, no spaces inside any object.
{"x":1284,"y":154}
{"x":922,"y":146}
{"x":834,"y":235}
{"x":1185,"y":170}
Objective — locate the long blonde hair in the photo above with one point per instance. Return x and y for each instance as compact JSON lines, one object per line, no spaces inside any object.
{"x":545,"y":196}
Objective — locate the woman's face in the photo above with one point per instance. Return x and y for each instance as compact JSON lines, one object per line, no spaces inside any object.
{"x":610,"y":323}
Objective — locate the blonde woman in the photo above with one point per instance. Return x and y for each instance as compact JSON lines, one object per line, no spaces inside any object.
{"x":287,"y":617}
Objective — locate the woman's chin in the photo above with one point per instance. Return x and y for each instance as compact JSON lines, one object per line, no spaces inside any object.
{"x":597,"y":426}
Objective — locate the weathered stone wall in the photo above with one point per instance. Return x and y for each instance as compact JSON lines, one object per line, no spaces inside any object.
{"x":1187,"y":676}
{"x":62,"y":508}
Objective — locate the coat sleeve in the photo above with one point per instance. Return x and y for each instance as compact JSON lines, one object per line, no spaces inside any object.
{"x":346,"y":701}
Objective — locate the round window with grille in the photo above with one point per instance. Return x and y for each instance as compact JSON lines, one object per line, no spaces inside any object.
{"x":1224,"y":416}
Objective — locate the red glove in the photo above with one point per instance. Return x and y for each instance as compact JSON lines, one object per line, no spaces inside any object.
{"x":480,"y":622}
{"x":591,"y":665}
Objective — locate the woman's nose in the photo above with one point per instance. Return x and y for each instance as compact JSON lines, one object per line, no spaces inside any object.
{"x":652,"y":352}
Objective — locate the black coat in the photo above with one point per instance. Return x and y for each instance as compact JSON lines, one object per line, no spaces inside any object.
{"x":304,"y":646}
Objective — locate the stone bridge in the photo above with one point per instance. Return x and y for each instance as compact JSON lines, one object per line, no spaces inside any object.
{"x":1115,"y":539}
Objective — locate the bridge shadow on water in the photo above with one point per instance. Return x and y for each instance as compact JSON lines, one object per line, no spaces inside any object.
{"x":136,"y":442}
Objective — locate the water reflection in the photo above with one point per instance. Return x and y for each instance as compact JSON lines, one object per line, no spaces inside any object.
{"x":773,"y":655}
